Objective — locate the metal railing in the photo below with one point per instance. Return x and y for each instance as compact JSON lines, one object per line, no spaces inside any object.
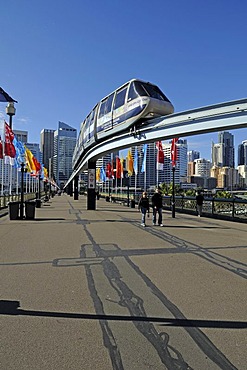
{"x":233,"y":209}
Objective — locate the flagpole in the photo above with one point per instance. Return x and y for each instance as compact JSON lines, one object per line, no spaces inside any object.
{"x":10,"y":180}
{"x":2,"y":176}
{"x":173,"y":192}
{"x":17,"y":182}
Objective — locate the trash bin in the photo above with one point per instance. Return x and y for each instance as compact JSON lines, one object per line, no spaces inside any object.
{"x":107,"y":199}
{"x":132,"y":203}
{"x":38,"y":203}
{"x":14,"y":210}
{"x":30,"y":209}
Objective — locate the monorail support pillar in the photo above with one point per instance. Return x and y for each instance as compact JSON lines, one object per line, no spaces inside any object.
{"x":91,"y":201}
{"x":70,"y":189}
{"x":76,"y":180}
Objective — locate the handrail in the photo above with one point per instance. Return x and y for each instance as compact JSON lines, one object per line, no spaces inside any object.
{"x":232,"y":209}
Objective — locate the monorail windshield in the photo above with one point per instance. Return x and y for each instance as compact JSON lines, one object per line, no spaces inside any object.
{"x":138,"y":88}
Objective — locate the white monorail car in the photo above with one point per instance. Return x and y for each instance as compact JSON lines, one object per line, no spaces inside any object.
{"x":128,"y":106}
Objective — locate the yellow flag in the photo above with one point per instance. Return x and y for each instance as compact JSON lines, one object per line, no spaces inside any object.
{"x":98,"y":174}
{"x":130,"y":163}
{"x":29,"y":160}
{"x":122,"y":167}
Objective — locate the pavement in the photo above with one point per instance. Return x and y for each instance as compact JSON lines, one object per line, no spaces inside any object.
{"x":83,"y":289}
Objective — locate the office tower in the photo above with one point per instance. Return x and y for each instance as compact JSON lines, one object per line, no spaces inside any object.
{"x":64,"y":144}
{"x":181,"y":165}
{"x":21,"y":136}
{"x":192,"y":155}
{"x":202,"y":167}
{"x":242,"y":153}
{"x":227,"y":139}
{"x":47,"y":146}
{"x":217,"y":153}
{"x":191,"y":168}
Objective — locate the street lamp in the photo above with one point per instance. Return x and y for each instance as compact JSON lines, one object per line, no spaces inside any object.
{"x":10,"y":111}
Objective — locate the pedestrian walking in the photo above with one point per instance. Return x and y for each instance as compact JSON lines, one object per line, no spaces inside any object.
{"x":143,"y":206}
{"x":157,"y":205}
{"x":199,"y":203}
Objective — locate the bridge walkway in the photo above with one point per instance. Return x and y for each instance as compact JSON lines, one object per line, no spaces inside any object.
{"x":87,"y":289}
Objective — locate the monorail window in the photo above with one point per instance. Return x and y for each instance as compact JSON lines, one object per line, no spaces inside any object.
{"x":108,"y":104}
{"x":133,"y":91}
{"x":102,"y":108}
{"x":155,"y":92}
{"x":120,"y":98}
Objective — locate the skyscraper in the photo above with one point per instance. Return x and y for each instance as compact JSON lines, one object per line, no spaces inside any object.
{"x":192,"y":155}
{"x":64,"y":145}
{"x":242,"y":153}
{"x":47,"y":146}
{"x":227,"y":139}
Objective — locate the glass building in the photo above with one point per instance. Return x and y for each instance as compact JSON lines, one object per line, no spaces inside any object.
{"x":64,"y":145}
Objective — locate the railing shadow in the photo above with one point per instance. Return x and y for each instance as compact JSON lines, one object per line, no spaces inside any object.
{"x":12,"y":308}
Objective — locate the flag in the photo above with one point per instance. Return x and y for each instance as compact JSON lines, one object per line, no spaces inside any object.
{"x":102,"y":174}
{"x":4,"y":97}
{"x":20,"y":153}
{"x":129,"y":160}
{"x":29,"y":160}
{"x":144,"y":150}
{"x":118,"y":168}
{"x":9,"y":149}
{"x":98,"y":174}
{"x":109,"y":171}
{"x":160,"y":156}
{"x":174,"y":151}
{"x":136,"y":162}
{"x":37,"y":165}
{"x":45,"y":174}
{"x":122,"y":167}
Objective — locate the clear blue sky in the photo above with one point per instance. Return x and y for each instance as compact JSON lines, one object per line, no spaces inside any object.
{"x":60,"y":57}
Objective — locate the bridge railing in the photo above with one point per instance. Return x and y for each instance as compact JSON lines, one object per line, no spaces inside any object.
{"x":233,"y":208}
{"x":230,"y":209}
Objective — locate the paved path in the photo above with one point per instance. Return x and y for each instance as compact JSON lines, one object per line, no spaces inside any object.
{"x":94,"y":290}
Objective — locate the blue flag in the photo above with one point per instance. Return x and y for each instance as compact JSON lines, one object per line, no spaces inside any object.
{"x":136,"y":162}
{"x":144,"y":149}
{"x":19,"y":153}
{"x":102,"y":174}
{"x":4,"y":97}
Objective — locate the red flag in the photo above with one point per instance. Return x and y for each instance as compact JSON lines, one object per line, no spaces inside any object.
{"x":174,"y":152}
{"x":160,"y":156}
{"x":37,"y":165}
{"x":9,"y":149}
{"x":109,"y":170}
{"x":118,"y":168}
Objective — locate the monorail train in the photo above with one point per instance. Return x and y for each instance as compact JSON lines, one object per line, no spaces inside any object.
{"x":128,"y":106}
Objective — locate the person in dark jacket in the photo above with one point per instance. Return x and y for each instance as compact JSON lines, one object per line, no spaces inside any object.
{"x":143,"y":205}
{"x":157,"y":207}
{"x":199,"y":203}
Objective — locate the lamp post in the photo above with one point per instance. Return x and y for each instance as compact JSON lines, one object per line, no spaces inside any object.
{"x":22,"y":190}
{"x":10,"y":111}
